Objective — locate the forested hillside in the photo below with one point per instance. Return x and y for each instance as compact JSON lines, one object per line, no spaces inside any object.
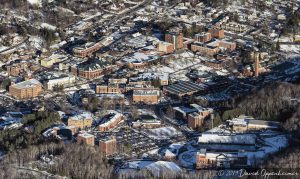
{"x":68,"y":161}
{"x":73,"y":161}
{"x":286,"y":159}
{"x":276,"y":102}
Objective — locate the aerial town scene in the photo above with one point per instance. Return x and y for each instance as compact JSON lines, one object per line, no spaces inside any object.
{"x":149,"y":89}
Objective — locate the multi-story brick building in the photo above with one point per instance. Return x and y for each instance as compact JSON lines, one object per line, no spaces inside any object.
{"x":218,"y":64}
{"x":144,"y":86}
{"x":145,"y":96}
{"x":211,"y":159}
{"x":163,"y":79}
{"x":216,"y":33}
{"x":239,"y":28}
{"x":86,"y":138}
{"x":26,"y":89}
{"x":49,"y":61}
{"x":147,"y":121}
{"x":187,"y":43}
{"x":196,"y":119}
{"x":91,"y":69}
{"x":15,"y":69}
{"x":175,"y":38}
{"x":194,"y":114}
{"x":203,"y":37}
{"x":213,"y":48}
{"x":202,"y":161}
{"x":117,"y":80}
{"x":110,"y":121}
{"x":205,"y":49}
{"x":108,"y":89}
{"x":227,"y":45}
{"x":108,"y":146}
{"x":87,"y":49}
{"x":81,"y":120}
{"x":166,"y":47}
{"x":137,"y":64}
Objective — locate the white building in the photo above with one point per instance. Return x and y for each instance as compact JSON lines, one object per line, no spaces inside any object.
{"x":60,"y":81}
{"x":225,"y":138}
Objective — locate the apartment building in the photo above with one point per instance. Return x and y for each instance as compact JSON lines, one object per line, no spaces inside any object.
{"x":81,"y":120}
{"x":110,"y":121}
{"x":86,"y":49}
{"x":15,"y":69}
{"x":108,"y":146}
{"x":234,"y":27}
{"x":86,"y":139}
{"x":145,"y":96}
{"x":26,"y":89}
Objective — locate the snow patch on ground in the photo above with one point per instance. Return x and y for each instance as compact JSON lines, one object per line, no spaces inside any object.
{"x":290,"y":48}
{"x":155,"y":167}
{"x":36,"y":2}
{"x":36,"y":42}
{"x":162,"y":133}
{"x":48,"y":26}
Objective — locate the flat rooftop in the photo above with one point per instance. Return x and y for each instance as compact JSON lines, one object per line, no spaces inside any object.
{"x":184,"y":109}
{"x":85,"y":135}
{"x":183,"y":87}
{"x":146,"y":92}
{"x":219,"y":138}
{"x":93,"y":64}
{"x":248,"y":120}
{"x":110,"y":118}
{"x":202,"y":34}
{"x":82,"y":116}
{"x":27,"y":84}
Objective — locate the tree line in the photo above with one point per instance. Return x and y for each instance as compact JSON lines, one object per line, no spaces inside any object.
{"x":72,"y":161}
{"x":34,"y":125}
{"x":275,"y":102}
{"x":78,"y":161}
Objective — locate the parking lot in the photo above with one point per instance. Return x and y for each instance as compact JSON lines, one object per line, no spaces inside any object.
{"x":132,"y":141}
